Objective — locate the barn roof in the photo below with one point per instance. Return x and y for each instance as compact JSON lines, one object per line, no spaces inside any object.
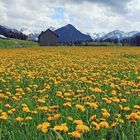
{"x":49,"y":31}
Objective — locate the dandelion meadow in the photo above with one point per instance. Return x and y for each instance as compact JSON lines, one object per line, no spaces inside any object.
{"x":70,"y":93}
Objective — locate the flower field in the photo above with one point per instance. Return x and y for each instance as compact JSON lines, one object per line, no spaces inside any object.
{"x":70,"y":93}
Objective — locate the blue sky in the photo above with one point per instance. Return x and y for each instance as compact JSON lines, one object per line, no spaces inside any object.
{"x":86,"y":15}
{"x":59,"y":14}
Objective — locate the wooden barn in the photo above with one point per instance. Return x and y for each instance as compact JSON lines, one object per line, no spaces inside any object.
{"x":48,"y":38}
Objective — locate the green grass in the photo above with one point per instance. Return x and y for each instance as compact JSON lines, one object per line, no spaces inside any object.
{"x":11,"y":43}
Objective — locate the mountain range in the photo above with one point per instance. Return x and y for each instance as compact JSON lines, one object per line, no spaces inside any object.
{"x":69,"y":33}
{"x":66,"y":34}
{"x":114,"y":35}
{"x":11,"y":33}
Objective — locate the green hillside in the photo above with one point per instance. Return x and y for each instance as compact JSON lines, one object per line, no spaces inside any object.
{"x":16,"y":43}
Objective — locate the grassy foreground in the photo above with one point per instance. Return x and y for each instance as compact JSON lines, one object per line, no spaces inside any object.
{"x":70,"y":93}
{"x":16,"y":43}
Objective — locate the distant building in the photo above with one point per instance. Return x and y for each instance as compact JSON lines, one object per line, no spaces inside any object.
{"x":3,"y":37}
{"x":48,"y":38}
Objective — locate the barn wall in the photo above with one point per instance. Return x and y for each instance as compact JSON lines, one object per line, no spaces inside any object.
{"x":48,"y":39}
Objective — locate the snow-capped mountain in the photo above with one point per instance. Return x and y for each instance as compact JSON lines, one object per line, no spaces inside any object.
{"x":97,"y":36}
{"x":132,"y":33}
{"x":114,"y":35}
{"x":111,"y":36}
{"x":29,"y":31}
{"x":32,"y":33}
{"x":117,"y":34}
{"x":11,"y":32}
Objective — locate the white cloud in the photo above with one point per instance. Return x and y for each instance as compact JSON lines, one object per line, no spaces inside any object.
{"x":86,"y":15}
{"x":2,"y":12}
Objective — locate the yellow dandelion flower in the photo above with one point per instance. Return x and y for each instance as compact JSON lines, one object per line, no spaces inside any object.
{"x":104,"y":124}
{"x":59,"y":94}
{"x":121,"y":107}
{"x":112,"y":85}
{"x":78,"y":122}
{"x":70,"y":118}
{"x":8,"y":105}
{"x":67,"y":104}
{"x":26,"y":109}
{"x":41,"y":101}
{"x":62,"y":127}
{"x":34,"y":112}
{"x":55,"y":117}
{"x":3,"y":116}
{"x":23,"y":105}
{"x":105,"y":115}
{"x":67,"y":94}
{"x":28,"y":118}
{"x":96,"y":125}
{"x":92,"y":118}
{"x":116,"y":100}
{"x":114,"y":125}
{"x":43,"y":127}
{"x":138,"y":77}
{"x":43,"y":108}
{"x":126,"y":108}
{"x":47,"y":86}
{"x":10,"y":111}
{"x":123,"y":100}
{"x":80,"y":107}
{"x":54,"y":107}
{"x":93,"y":105}
{"x":137,"y":106}
{"x":109,"y":101}
{"x":132,"y":116}
{"x":119,"y":120}
{"x":97,"y":90}
{"x":19,"y":119}
{"x":114,"y":92}
{"x":82,"y":128}
{"x":75,"y":134}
